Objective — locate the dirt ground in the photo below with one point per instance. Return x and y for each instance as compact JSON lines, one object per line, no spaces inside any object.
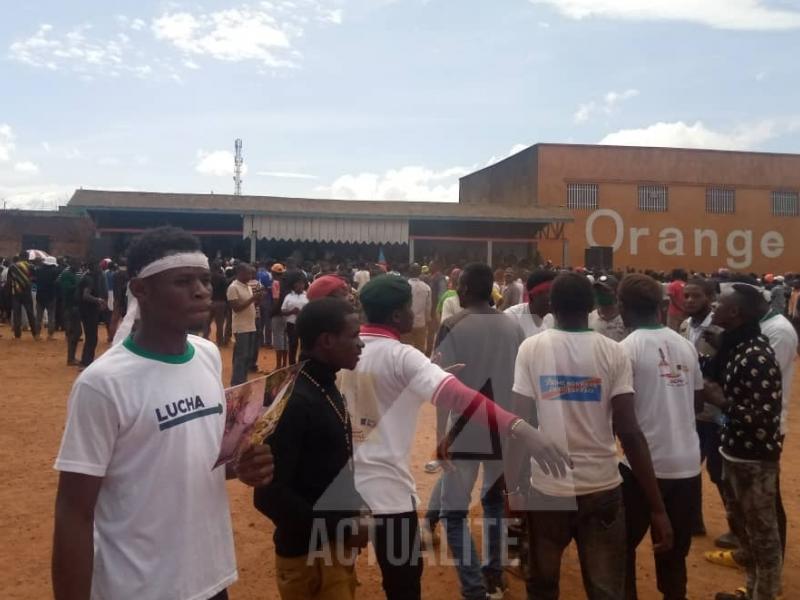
{"x":34,"y":384}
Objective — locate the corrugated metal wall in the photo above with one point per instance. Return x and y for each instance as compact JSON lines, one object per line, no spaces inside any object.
{"x":330,"y":229}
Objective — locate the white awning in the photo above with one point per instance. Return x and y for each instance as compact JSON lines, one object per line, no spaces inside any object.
{"x":378,"y":230}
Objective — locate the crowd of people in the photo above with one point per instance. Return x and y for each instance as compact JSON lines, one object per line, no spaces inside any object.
{"x":538,"y":376}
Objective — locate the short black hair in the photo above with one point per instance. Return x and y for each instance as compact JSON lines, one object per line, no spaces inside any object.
{"x":751,"y":302}
{"x":158,"y":243}
{"x":325,"y":315}
{"x":479,"y":279}
{"x":640,"y":294}
{"x":293,"y":277}
{"x":539,"y":276}
{"x":243,"y":266}
{"x":679,"y":274}
{"x":571,"y":294}
{"x":709,"y":287}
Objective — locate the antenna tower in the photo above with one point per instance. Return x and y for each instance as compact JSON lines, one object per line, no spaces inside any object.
{"x":237,"y":168}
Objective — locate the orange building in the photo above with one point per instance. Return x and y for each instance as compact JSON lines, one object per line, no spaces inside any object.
{"x":656,"y":208}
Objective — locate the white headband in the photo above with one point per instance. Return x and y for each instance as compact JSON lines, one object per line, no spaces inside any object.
{"x":174,"y":261}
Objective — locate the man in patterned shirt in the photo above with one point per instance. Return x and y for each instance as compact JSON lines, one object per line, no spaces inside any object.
{"x":749,"y":392}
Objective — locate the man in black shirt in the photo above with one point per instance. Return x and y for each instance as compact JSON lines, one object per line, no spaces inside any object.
{"x":312,"y":499}
{"x":92,"y":302}
{"x":219,"y":303}
{"x":749,"y":393}
{"x":46,"y":275}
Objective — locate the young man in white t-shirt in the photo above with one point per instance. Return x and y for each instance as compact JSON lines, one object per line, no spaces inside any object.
{"x":139,"y":511}
{"x":293,"y":303}
{"x":580,"y":386}
{"x":534,"y":316}
{"x":385,"y":392}
{"x":698,"y":298}
{"x":669,"y":391}
{"x":243,"y":302}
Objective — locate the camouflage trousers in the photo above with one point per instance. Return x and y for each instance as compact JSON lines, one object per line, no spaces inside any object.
{"x":750,"y":489}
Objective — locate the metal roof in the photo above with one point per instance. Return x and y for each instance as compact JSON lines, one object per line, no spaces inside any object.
{"x":307,"y":207}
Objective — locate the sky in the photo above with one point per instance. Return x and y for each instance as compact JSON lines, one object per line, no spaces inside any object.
{"x":374,"y":99}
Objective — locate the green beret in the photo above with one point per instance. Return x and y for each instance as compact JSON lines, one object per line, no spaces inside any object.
{"x":384,"y":294}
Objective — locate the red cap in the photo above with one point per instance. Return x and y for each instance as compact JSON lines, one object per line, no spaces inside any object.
{"x":325,"y":286}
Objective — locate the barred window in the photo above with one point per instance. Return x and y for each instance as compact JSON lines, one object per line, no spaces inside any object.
{"x":582,"y":196}
{"x":653,"y":198}
{"x":785,"y":203}
{"x":720,"y":200}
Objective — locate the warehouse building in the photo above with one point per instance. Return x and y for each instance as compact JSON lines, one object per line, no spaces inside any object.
{"x":656,"y":207}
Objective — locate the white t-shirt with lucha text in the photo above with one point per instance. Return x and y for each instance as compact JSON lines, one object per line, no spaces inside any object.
{"x":151,"y":427}
{"x":384,"y":394}
{"x":666,"y":374}
{"x":572,"y":376}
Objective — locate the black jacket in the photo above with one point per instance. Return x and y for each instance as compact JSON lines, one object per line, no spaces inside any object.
{"x":313,"y":487}
{"x":751,"y":379}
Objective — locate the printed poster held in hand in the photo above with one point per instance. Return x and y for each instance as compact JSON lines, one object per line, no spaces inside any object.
{"x":253,"y":411}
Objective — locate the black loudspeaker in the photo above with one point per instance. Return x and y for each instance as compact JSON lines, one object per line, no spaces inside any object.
{"x":599,"y":258}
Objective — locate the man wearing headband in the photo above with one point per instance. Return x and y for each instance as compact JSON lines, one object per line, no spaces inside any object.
{"x":534,"y":316}
{"x":139,"y":511}
{"x":385,"y":392}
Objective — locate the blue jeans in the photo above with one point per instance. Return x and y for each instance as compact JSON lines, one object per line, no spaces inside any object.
{"x":433,"y":515}
{"x":456,"y":494}
{"x":243,"y":356}
{"x":598,"y":528}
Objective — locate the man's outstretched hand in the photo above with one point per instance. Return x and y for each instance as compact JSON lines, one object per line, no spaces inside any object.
{"x":256,"y":466}
{"x":550,"y":458}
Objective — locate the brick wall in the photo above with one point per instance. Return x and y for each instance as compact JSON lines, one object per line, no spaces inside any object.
{"x":66,"y":234}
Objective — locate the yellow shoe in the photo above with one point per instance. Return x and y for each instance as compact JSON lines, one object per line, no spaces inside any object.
{"x":723,"y":558}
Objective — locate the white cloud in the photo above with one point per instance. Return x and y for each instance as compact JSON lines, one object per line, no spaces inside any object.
{"x":46,"y":147}
{"x":407,"y":183}
{"x":36,"y":196}
{"x":286,"y":175}
{"x":335,"y":16}
{"x":263,"y":33}
{"x":77,"y":51}
{"x":683,"y":135}
{"x":720,"y":14}
{"x":73,"y":154}
{"x":218,"y":163}
{"x":606,"y":105}
{"x":6,"y":142}
{"x":27,"y":167}
{"x":108,"y":161}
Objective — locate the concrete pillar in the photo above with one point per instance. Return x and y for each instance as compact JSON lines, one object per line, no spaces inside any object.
{"x":489,"y":252}
{"x":565,"y":252}
{"x":410,"y":250}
